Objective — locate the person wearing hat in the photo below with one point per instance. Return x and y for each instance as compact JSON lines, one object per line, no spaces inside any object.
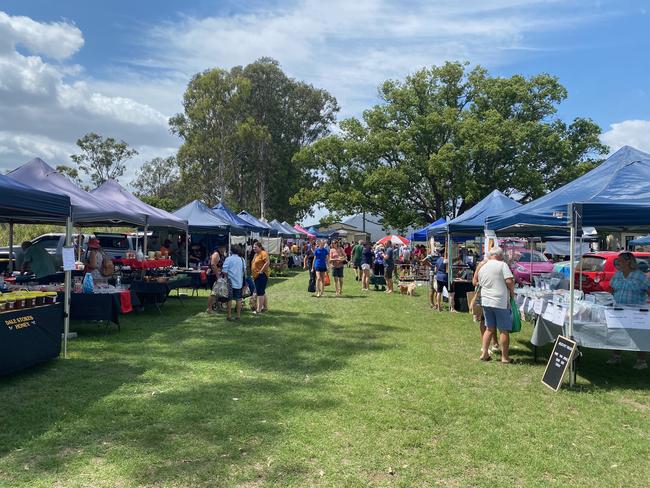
{"x":630,"y":286}
{"x":94,"y":259}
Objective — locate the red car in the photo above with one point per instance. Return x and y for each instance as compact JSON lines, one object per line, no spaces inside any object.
{"x":598,"y":269}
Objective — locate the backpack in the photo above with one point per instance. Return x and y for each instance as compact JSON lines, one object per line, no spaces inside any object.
{"x":108,"y":268}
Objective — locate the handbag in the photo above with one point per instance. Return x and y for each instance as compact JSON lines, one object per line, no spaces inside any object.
{"x":326,"y":279}
{"x":221,"y":287}
{"x":516,"y":316}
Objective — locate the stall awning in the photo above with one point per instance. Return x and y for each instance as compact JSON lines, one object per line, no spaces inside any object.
{"x":86,"y":208}
{"x":201,"y":219}
{"x":615,"y":194}
{"x":255,"y":222}
{"x":237,"y":224}
{"x":113,"y":191}
{"x":23,"y":204}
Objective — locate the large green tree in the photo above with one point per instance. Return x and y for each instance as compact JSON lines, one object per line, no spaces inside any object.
{"x":241,"y":129}
{"x":102,"y":158}
{"x":445,"y":137}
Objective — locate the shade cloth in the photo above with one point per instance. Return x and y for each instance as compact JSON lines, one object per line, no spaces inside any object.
{"x":86,"y":208}
{"x":472,"y":221}
{"x":201,"y":219}
{"x":613,"y":195}
{"x":112,"y":191}
{"x":22,"y":203}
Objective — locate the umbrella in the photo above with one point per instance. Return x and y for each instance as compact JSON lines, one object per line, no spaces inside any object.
{"x":399,"y":240}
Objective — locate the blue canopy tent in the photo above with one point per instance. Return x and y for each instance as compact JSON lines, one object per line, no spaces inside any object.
{"x":22,"y":204}
{"x":263,"y":227}
{"x":289,"y":228}
{"x":472,"y":221}
{"x":613,"y":196}
{"x":420,"y":235}
{"x":281,"y":230}
{"x":640,"y":241}
{"x":202,"y":220}
{"x":319,"y":235}
{"x":238,"y":225}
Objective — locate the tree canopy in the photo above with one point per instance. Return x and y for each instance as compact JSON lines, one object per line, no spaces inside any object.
{"x":101,"y":158}
{"x":240,"y":130}
{"x":442,"y":139}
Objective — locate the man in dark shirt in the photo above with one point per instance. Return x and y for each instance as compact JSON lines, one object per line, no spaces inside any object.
{"x":389,"y":264}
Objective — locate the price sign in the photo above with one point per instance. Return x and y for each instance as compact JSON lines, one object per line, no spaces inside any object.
{"x":625,"y":318}
{"x":561,"y":356}
{"x":538,"y":306}
{"x":559,"y":317}
{"x":549,"y":312}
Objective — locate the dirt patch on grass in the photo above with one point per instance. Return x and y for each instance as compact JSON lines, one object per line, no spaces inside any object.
{"x":639,"y":407}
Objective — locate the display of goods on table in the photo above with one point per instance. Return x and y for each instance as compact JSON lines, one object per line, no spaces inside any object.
{"x":19,"y":300}
{"x":146,"y":264}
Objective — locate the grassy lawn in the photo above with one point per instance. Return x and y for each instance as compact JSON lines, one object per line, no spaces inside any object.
{"x":366,"y":390}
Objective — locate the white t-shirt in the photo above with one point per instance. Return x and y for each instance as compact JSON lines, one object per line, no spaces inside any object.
{"x":492,"y":279}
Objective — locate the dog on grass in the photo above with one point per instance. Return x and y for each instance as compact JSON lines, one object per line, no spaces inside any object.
{"x":407,"y":288}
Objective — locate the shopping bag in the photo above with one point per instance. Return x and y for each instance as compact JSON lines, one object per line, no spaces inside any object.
{"x":516,"y":316}
{"x":326,"y":279}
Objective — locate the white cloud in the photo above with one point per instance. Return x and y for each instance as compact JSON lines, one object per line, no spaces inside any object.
{"x":635,"y":133}
{"x":43,"y":114}
{"x":57,"y":40}
{"x":349,"y":48}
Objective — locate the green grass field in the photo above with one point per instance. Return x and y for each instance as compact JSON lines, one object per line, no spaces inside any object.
{"x":366,"y":390}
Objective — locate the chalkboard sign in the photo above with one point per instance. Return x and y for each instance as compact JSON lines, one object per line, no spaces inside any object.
{"x":558,"y":362}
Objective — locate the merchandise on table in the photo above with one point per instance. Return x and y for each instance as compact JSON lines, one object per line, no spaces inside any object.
{"x":26,"y":299}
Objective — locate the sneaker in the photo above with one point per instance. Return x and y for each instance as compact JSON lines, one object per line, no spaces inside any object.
{"x":614,"y":360}
{"x":641,"y":365}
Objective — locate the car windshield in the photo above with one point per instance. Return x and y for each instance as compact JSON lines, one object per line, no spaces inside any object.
{"x":592,"y":264}
{"x":537,"y":258}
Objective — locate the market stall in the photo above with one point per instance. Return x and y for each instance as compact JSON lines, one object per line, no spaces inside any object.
{"x":31,"y":323}
{"x":615,"y":196}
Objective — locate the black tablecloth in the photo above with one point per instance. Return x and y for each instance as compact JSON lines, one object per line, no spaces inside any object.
{"x":460,"y":289}
{"x":98,"y":306}
{"x":151,"y":292}
{"x":29,"y":337}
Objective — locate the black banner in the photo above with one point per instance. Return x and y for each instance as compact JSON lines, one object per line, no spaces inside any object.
{"x":29,"y":337}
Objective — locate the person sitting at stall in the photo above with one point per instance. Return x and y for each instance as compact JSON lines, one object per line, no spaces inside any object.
{"x":166,"y":248}
{"x":197,"y":255}
{"x":37,"y":259}
{"x":631,"y":287}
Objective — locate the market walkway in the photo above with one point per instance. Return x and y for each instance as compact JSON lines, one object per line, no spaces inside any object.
{"x":366,"y":390}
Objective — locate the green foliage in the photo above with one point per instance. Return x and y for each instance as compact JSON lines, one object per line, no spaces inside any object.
{"x":158,"y":183}
{"x":445,"y":137}
{"x":101,"y":158}
{"x":73,"y":174}
{"x":240,"y":131}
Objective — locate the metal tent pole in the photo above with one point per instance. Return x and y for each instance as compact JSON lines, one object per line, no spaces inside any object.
{"x":187,"y":248}
{"x":572,"y":267}
{"x":449,"y":264}
{"x":68,"y":289}
{"x":146,"y":231}
{"x":11,"y":247}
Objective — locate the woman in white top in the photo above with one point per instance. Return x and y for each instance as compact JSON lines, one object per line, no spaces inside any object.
{"x":497,"y":287}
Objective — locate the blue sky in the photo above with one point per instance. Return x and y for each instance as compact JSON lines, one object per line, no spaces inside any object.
{"x":119,"y":68}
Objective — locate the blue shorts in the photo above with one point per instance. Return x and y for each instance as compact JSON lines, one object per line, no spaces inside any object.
{"x":498,"y":318}
{"x":236,"y":294}
{"x":320,"y":269}
{"x":260,"y":284}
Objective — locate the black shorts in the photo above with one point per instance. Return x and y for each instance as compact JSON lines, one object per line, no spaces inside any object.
{"x":441,"y":285}
{"x":357,"y":264}
{"x":388,"y":273}
{"x":320,"y":269}
{"x":337,"y":272}
{"x":236,"y":294}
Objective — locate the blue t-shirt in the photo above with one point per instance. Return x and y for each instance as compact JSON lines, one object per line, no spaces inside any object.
{"x":441,"y":270}
{"x":320,"y":256}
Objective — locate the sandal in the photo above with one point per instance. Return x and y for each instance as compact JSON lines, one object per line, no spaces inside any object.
{"x":511,"y":361}
{"x":487,"y":358}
